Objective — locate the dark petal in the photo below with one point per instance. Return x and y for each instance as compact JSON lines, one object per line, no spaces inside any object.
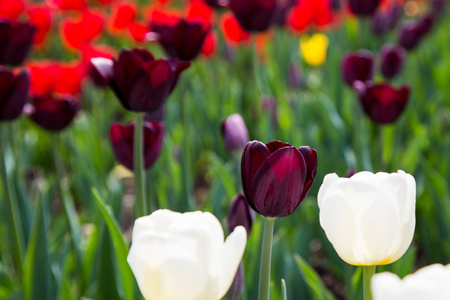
{"x":235,"y":291}
{"x":311,"y":159}
{"x":410,"y":35}
{"x":357,"y":66}
{"x":275,"y":145}
{"x":6,"y":84}
{"x":122,"y":143}
{"x":156,"y":116}
{"x":254,"y":155}
{"x":54,"y":114}
{"x":15,"y":42}
{"x":153,"y":141}
{"x":240,"y":214}
{"x":177,"y":67}
{"x":363,"y":7}
{"x":102,"y":70}
{"x":13,"y":101}
{"x":254,"y":15}
{"x":195,"y":35}
{"x":392,"y":58}
{"x":278,"y":184}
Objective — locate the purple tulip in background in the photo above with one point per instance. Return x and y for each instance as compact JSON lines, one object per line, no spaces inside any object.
{"x":182,"y":40}
{"x":363,"y":7}
{"x":392,"y":59}
{"x":295,"y":76}
{"x":282,"y":9}
{"x":122,"y":141}
{"x":140,"y":82}
{"x":277,"y":176}
{"x":254,"y":15}
{"x":240,"y":213}
{"x":357,"y":66}
{"x":13,"y":94}
{"x":235,"y":291}
{"x":53,"y":113}
{"x":384,"y":22}
{"x":412,"y":32}
{"x":234,"y":133}
{"x":381,"y":102}
{"x":15,"y":42}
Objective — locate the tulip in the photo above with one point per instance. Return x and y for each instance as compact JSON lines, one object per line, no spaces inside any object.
{"x":232,"y":30}
{"x":430,"y":282}
{"x":79,"y":32}
{"x":15,"y":42}
{"x":381,"y":102}
{"x":122,"y":141}
{"x":41,"y":17}
{"x":237,"y":286}
{"x":295,"y":76}
{"x":183,"y":39}
{"x":13,"y":94}
{"x":282,"y":11}
{"x":363,"y":7}
{"x":383,"y":22}
{"x":314,"y":49}
{"x":357,"y":66}
{"x":140,"y":82}
{"x":234,"y":133}
{"x":240,"y":214}
{"x":254,"y":15}
{"x":368,"y":218}
{"x":412,"y":32}
{"x":392,"y":58}
{"x":51,"y":113}
{"x":184,"y":256}
{"x":277,"y":176}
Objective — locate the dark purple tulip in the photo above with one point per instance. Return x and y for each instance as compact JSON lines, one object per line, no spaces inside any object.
{"x":140,"y":82}
{"x":295,"y":76}
{"x":350,"y":172}
{"x":254,"y":15}
{"x":51,"y":113}
{"x":240,"y":213}
{"x":410,"y":35}
{"x":282,"y":10}
{"x":378,"y":24}
{"x":393,"y":16}
{"x":438,"y":6}
{"x":217,"y":3}
{"x":156,"y":116}
{"x":234,"y":133}
{"x":425,"y":24}
{"x":384,"y":22}
{"x":357,"y":66}
{"x":235,"y":291}
{"x":122,"y":141}
{"x":381,"y":102}
{"x":392,"y":58}
{"x":363,"y":7}
{"x":15,"y":42}
{"x":335,"y":5}
{"x":277,"y":176}
{"x":182,"y":40}
{"x":13,"y":94}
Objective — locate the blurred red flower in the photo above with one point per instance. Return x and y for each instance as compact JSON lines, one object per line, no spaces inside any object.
{"x":40,"y":16}
{"x":233,"y":32}
{"x":310,"y":12}
{"x":123,"y":14}
{"x":80,"y":31}
{"x":79,"y":5}
{"x":11,"y":9}
{"x":209,"y":45}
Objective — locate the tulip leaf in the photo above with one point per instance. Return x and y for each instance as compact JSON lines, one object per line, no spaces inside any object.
{"x":317,"y":288}
{"x":120,"y":246}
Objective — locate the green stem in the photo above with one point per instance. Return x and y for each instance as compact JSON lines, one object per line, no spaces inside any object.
{"x":18,"y":241}
{"x":266,"y":253}
{"x":139,"y":190}
{"x":381,"y":141}
{"x":283,"y":290}
{"x":368,"y":272}
{"x":255,"y":64}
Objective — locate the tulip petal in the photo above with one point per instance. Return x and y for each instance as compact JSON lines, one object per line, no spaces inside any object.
{"x":386,"y":286}
{"x":310,"y":156}
{"x":16,"y":97}
{"x":104,"y":67}
{"x":278,"y":183}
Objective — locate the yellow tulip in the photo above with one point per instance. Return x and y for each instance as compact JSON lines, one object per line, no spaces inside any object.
{"x":314,"y":49}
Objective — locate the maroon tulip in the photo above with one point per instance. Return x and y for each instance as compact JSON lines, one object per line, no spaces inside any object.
{"x":122,"y":141}
{"x":183,"y":40}
{"x":410,"y":35}
{"x":277,"y":176}
{"x":254,"y":15}
{"x":15,"y":42}
{"x":140,"y":82}
{"x":240,"y":213}
{"x":217,"y":3}
{"x":13,"y":94}
{"x":363,"y":7}
{"x":384,"y":22}
{"x":392,"y":58}
{"x":357,"y":66}
{"x":282,"y":9}
{"x":381,"y":102}
{"x":53,"y":114}
{"x":234,"y":133}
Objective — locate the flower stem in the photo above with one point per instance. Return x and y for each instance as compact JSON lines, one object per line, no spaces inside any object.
{"x":266,"y":253}
{"x":381,"y":141}
{"x":368,"y":272}
{"x":138,"y":155}
{"x":18,"y":241}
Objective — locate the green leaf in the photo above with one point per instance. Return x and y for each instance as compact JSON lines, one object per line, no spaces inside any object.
{"x":317,"y":288}
{"x":120,"y":247}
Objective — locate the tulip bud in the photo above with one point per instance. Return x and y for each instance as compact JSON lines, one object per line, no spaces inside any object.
{"x":350,"y":172}
{"x":381,"y":102}
{"x":410,"y":35}
{"x":430,"y":282}
{"x":122,"y":141}
{"x":368,"y":218}
{"x":140,"y":82}
{"x":392,"y":58}
{"x":277,"y":176}
{"x":234,"y":133}
{"x":184,"y":256}
{"x":15,"y":42}
{"x":51,"y":113}
{"x":357,"y":66}
{"x":363,"y":7}
{"x":240,"y":214}
{"x":235,"y":291}
{"x":254,"y":15}
{"x":13,"y":94}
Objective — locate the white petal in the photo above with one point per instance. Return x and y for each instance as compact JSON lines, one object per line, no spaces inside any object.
{"x":104,"y":66}
{"x":328,"y":181}
{"x":386,"y":286}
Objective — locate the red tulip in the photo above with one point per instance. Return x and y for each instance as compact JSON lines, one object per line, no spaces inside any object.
{"x":254,"y":15}
{"x":90,"y":52}
{"x":15,"y":42}
{"x":79,"y":5}
{"x":381,"y":102}
{"x":357,"y":66}
{"x":41,"y":18}
{"x":277,"y":176}
{"x":123,"y":14}
{"x":10,"y":10}
{"x":51,"y":113}
{"x":140,"y":82}
{"x":233,"y":32}
{"x":79,"y":32}
{"x":122,"y":141}
{"x":13,"y":94}
{"x":210,"y":44}
{"x":309,"y":12}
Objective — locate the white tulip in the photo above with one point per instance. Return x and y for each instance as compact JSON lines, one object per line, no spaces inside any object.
{"x":178,"y":256}
{"x":429,"y":283}
{"x":368,"y":218}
